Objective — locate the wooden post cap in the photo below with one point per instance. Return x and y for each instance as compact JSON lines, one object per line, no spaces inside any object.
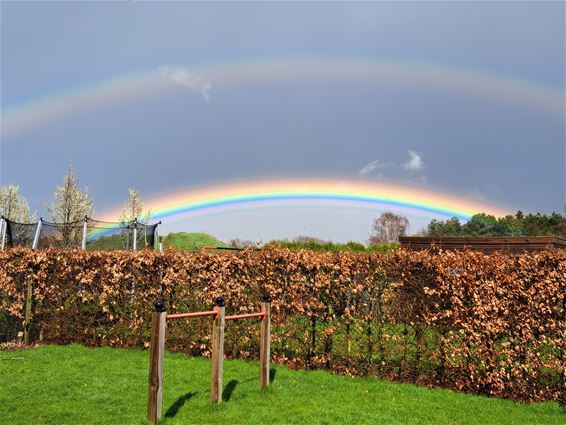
{"x":266,"y":298}
{"x":219,"y":302}
{"x":159,"y":306}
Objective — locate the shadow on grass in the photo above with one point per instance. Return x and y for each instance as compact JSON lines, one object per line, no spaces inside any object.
{"x":272,"y":373}
{"x":172,"y":411}
{"x":230,"y":387}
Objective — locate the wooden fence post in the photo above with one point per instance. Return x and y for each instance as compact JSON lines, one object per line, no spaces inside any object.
{"x":217,"y":352}
{"x":27,"y":320}
{"x":155,"y":387}
{"x":264,"y":349}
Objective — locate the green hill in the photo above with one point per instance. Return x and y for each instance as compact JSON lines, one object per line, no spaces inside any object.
{"x":181,"y":240}
{"x":190,"y":241}
{"x":106,"y":242}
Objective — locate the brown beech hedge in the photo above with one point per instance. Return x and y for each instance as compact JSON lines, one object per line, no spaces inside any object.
{"x":493,"y":325}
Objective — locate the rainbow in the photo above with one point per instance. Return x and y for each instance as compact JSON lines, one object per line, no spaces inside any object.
{"x":402,"y":74}
{"x":327,"y":193}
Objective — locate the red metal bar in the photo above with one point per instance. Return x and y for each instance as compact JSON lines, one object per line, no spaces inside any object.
{"x":196,"y":314}
{"x":245,"y":316}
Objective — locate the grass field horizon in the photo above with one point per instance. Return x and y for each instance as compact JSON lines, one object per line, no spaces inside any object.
{"x":74,"y":384}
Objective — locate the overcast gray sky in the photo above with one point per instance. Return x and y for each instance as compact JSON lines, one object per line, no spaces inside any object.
{"x":215,"y":127}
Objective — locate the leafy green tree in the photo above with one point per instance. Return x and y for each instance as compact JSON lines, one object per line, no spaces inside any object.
{"x":542,"y":224}
{"x":480,"y":225}
{"x":483,"y":224}
{"x":512,"y":224}
{"x":451,"y":227}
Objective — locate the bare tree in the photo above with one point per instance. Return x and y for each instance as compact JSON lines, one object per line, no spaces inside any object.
{"x":14,"y":206}
{"x":133,"y":208}
{"x":388,"y":228}
{"x":422,"y":232}
{"x":242,"y":244}
{"x":562,"y":225}
{"x":71,"y":205}
{"x":236,"y":243}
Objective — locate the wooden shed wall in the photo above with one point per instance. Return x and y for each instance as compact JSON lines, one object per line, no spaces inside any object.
{"x":485,"y":244}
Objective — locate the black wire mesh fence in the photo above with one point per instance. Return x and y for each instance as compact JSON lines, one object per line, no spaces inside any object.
{"x":146,"y":235}
{"x":88,"y":234}
{"x":56,"y":235}
{"x":126,"y":235}
{"x":105,"y":235}
{"x":18,"y":234}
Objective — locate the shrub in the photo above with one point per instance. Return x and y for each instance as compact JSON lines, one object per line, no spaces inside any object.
{"x":485,"y":324}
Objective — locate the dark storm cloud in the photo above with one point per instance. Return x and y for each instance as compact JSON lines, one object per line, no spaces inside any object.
{"x":476,"y":147}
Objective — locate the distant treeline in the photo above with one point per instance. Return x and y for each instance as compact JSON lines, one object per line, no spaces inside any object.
{"x":328,"y":246}
{"x":483,"y":224}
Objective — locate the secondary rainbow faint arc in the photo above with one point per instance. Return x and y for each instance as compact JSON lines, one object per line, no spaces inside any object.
{"x":404,"y":73}
{"x":331,"y":193}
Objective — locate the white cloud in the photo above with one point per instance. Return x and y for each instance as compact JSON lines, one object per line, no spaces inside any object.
{"x":415,"y":163}
{"x":369,"y":168}
{"x":183,"y":77}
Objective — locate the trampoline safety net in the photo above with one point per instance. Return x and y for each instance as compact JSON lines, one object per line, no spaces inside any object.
{"x":54,"y":235}
{"x":100,"y":235}
{"x":114,"y":235}
{"x":19,"y":234}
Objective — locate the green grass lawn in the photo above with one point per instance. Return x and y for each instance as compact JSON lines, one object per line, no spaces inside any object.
{"x":106,"y":242}
{"x":78,"y":385}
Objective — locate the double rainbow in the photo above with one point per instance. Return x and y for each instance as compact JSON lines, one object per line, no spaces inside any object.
{"x":331,"y":193}
{"x":403,"y":74}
